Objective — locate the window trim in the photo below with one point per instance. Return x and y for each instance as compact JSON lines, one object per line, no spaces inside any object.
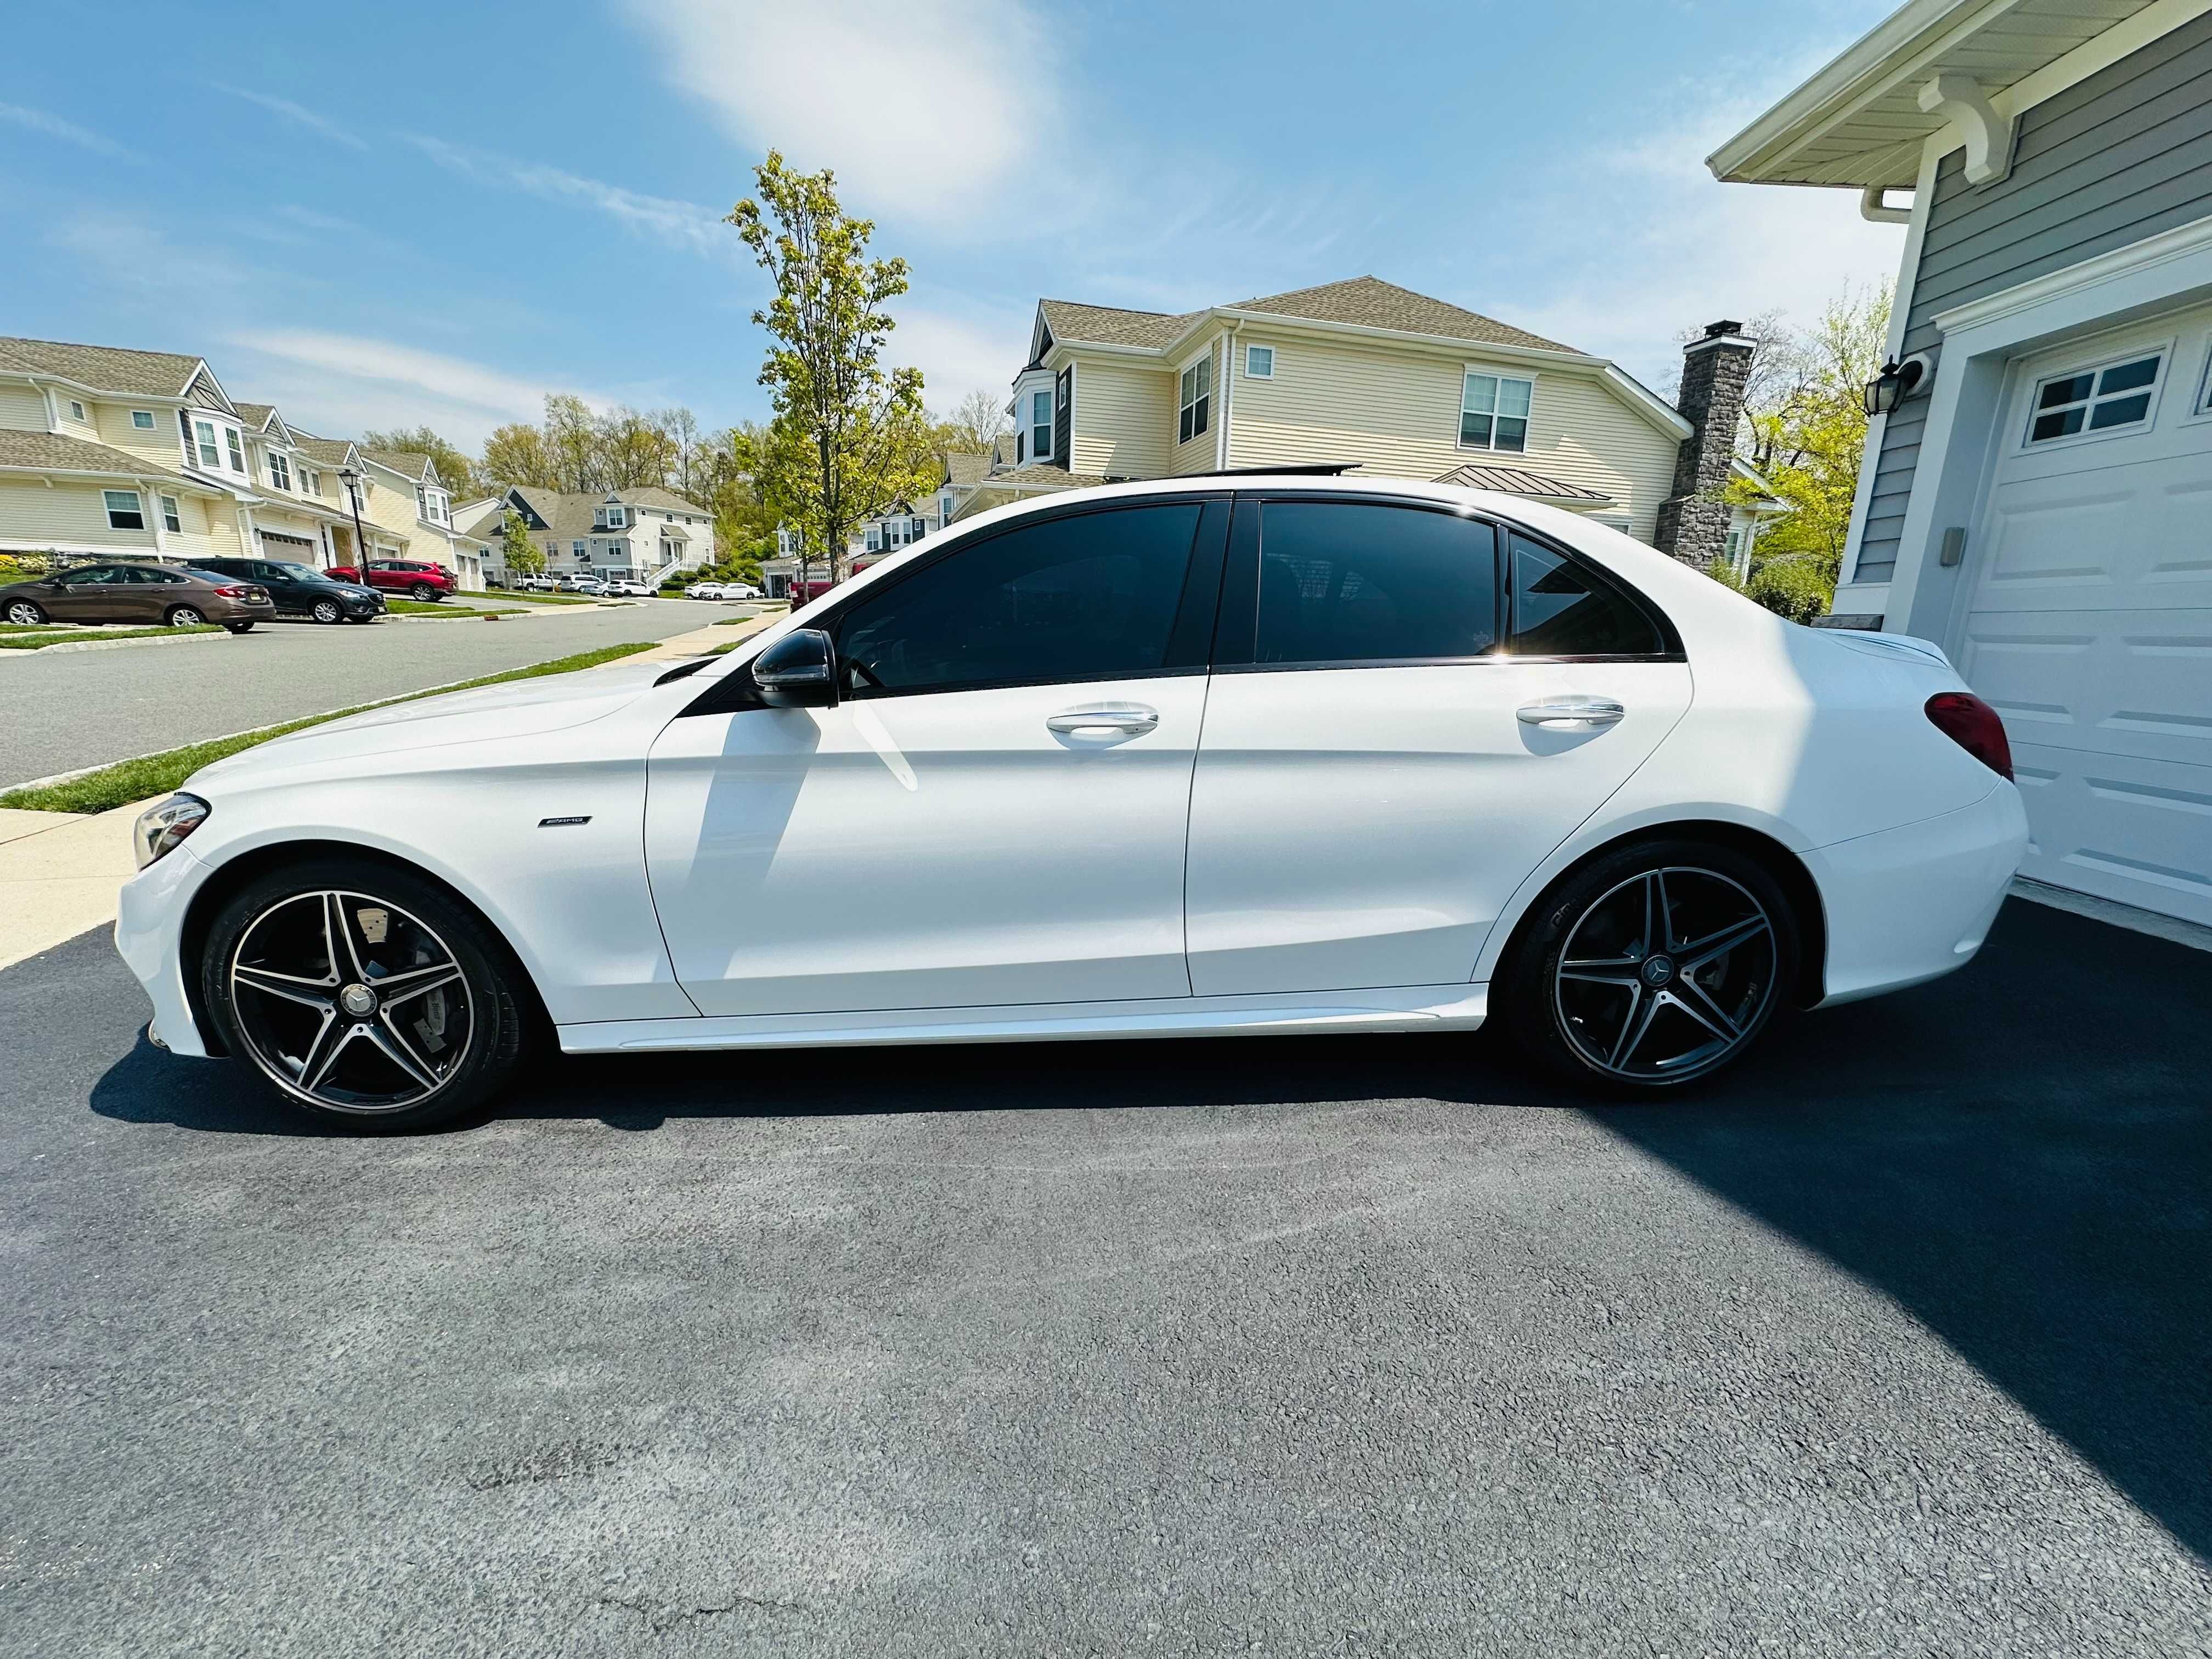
{"x":142,"y":420}
{"x":1252,"y":375}
{"x":280,"y":470}
{"x":172,"y":518}
{"x":136,"y":509}
{"x":1466,"y":371}
{"x":1041,"y":452}
{"x":1200,"y":406}
{"x":2163,"y":349}
{"x":76,"y":412}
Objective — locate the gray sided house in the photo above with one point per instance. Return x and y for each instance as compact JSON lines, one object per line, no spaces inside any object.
{"x":2037,"y":495}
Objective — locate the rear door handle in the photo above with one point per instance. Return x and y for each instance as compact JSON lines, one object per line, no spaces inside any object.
{"x":1572,"y":714}
{"x":1127,"y":719}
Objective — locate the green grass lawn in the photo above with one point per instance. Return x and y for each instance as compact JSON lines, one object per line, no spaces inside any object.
{"x":37,"y":639}
{"x":154,"y":774}
{"x":519,"y":597}
{"x":419,"y":607}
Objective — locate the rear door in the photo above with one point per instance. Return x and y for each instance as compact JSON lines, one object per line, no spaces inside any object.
{"x":1390,"y":746}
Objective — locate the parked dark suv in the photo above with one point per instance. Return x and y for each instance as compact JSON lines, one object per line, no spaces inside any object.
{"x":181,"y":596}
{"x":298,"y":591}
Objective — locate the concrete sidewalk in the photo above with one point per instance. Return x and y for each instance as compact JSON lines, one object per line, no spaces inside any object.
{"x":59,"y":871}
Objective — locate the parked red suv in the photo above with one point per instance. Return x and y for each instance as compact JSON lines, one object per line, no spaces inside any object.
{"x":416,"y":578}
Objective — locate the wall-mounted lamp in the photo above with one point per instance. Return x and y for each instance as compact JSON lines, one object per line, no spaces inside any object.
{"x":1896,"y":382}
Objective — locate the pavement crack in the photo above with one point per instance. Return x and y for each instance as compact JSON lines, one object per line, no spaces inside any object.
{"x":663,"y":1616}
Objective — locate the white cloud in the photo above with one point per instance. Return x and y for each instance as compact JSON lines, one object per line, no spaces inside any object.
{"x":682,"y":224}
{"x":296,"y":113}
{"x":54,"y":127}
{"x":341,"y":383}
{"x":927,"y":107}
{"x":959,"y":352}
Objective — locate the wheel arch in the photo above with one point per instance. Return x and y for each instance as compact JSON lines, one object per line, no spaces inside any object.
{"x":1789,"y":870}
{"x":251,"y":865}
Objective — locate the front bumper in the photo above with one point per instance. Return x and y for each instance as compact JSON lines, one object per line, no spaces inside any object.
{"x":149,"y":919}
{"x":1907,"y":905}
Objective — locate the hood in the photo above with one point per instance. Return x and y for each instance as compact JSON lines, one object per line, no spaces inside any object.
{"x":520,"y":708}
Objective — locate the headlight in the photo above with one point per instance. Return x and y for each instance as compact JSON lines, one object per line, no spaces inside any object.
{"x":164,"y":825}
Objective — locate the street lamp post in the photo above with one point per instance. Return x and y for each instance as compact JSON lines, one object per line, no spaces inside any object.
{"x":350,"y":477}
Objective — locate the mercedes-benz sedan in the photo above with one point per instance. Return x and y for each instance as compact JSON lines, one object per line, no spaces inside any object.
{"x":1211,"y":755}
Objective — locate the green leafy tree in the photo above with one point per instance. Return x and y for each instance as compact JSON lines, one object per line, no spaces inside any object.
{"x":516,"y":454}
{"x":849,"y":436}
{"x":1806,"y":434}
{"x":522,"y":555}
{"x":455,"y":470}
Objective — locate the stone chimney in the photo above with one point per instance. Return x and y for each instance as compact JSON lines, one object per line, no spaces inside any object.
{"x":1693,"y":521}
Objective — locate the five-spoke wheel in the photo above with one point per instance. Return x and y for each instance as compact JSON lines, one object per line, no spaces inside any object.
{"x":362,"y":993}
{"x":1652,"y":966}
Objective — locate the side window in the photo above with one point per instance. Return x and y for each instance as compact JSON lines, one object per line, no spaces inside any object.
{"x":1093,"y":596}
{"x":1351,"y":582}
{"x":1560,"y":611}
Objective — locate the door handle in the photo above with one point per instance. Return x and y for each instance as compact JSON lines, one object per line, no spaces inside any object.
{"x":1572,"y":714}
{"x":1129,"y":719}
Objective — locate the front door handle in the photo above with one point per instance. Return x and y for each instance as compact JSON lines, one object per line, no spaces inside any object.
{"x":1131,"y":720}
{"x":1572,"y":714}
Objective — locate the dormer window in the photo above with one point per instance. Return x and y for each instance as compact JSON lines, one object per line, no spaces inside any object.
{"x":280,"y":471}
{"x":617,"y":518}
{"x":237,"y":450}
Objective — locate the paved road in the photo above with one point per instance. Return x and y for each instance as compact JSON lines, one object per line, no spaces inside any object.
{"x":84,"y":707}
{"x":1896,"y":1344}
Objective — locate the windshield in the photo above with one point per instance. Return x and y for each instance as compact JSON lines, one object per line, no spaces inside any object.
{"x":298,"y":572}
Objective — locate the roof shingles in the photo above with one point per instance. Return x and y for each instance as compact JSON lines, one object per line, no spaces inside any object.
{"x":104,"y":368}
{"x":1366,"y":302}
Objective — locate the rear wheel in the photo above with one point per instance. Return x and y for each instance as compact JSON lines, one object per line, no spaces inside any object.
{"x":327,"y":610}
{"x":23,"y":613}
{"x":1653,"y":966}
{"x":422,"y":591}
{"x":186,"y":616}
{"x":239,"y":627}
{"x":364,"y":994}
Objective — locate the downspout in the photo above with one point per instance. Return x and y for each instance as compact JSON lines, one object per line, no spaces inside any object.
{"x":1227,"y":395}
{"x":1873,"y":207}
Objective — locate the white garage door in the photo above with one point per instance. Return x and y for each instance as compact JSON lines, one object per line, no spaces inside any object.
{"x":2090,"y":622}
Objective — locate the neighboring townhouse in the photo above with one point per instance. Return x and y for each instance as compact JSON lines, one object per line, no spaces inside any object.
{"x":406,"y":513}
{"x":2037,"y":492}
{"x":641,"y":534}
{"x":301,"y":513}
{"x":900,"y":525}
{"x":1366,"y":372}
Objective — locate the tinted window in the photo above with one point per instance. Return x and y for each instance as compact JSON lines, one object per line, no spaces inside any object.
{"x":1093,"y":596}
{"x":1559,"y":611}
{"x":1345,"y":582}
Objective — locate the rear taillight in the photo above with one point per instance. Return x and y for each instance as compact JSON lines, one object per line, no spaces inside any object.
{"x":233,"y":592}
{"x":1974,"y":727}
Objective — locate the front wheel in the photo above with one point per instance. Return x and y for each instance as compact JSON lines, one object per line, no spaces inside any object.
{"x":186,"y":616}
{"x":364,"y":994}
{"x":1653,"y":966}
{"x":23,"y":613}
{"x":327,"y":610}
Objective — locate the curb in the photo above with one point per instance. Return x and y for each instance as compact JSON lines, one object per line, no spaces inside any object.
{"x":109,"y":645}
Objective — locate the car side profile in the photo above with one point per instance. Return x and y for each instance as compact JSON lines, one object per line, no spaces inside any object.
{"x":418,"y":579}
{"x":1207,"y":756}
{"x":150,"y":595}
{"x":297,"y":590}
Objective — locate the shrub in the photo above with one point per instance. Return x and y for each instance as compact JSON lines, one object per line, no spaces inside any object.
{"x":1795,"y":587}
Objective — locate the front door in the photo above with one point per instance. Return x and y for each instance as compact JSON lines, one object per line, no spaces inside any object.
{"x":995,"y":813}
{"x":1376,"y":778}
{"x":77,"y":594}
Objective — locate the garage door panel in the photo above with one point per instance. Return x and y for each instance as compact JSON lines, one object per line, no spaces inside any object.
{"x":2178,"y":547}
{"x":2127,"y":682}
{"x":2053,"y":545}
{"x":2134,"y":831}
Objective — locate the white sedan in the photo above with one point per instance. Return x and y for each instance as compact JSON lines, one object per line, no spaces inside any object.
{"x":624,"y":587}
{"x":706,"y":591}
{"x":1194,"y":756}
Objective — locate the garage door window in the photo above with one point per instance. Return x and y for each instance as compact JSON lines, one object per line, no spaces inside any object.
{"x":2106,"y":400}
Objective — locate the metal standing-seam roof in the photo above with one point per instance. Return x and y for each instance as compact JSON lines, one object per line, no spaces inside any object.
{"x":1518,"y":481}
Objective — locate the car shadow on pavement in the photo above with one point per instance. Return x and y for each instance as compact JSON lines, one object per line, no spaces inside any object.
{"x":2019,"y":1156}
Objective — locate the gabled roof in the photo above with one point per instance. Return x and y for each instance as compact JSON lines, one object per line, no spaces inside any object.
{"x":964,"y":467}
{"x":1371,"y":302}
{"x":331,"y":452}
{"x":52,"y":452}
{"x":1109,"y":325}
{"x":104,"y":368}
{"x":571,"y":514}
{"x":1858,"y":121}
{"x":654,"y":495}
{"x":263,"y":417}
{"x":407,"y":462}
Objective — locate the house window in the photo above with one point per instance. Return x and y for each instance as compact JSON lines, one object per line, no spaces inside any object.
{"x":1259,"y":362}
{"x":1493,"y":412}
{"x":310,"y":482}
{"x":944,"y":511}
{"x":170,"y":520}
{"x":576,"y":549}
{"x":1041,"y":424}
{"x":237,"y":451}
{"x":76,"y":410}
{"x":875,"y":539}
{"x":124,"y":510}
{"x":280,"y":470}
{"x":142,"y":419}
{"x":1197,"y":400}
{"x":2095,"y":400}
{"x":618,"y":517}
{"x":210,"y":455}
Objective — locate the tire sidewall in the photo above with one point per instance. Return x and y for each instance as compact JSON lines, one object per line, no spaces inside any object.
{"x":33,"y":615}
{"x":495,"y":994}
{"x":327,"y":610}
{"x":1531,"y":1011}
{"x":187,"y":616}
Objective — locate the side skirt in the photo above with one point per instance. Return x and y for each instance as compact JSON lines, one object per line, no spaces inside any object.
{"x":1395,"y":1008}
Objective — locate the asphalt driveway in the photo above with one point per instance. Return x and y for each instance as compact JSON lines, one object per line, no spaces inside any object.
{"x":1896,"y":1343}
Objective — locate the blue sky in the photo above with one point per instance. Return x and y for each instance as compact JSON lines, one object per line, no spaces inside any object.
{"x":399,"y":213}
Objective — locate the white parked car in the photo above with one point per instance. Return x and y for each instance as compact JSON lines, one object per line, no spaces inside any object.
{"x":706,"y":591}
{"x":1198,"y":755}
{"x":534,"y":584}
{"x":622,"y":587}
{"x":581,"y":585}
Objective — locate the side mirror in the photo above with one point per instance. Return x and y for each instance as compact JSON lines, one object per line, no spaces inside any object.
{"x":800,"y":671}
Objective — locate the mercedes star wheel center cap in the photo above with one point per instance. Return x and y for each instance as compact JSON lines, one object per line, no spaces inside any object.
{"x":358,"y":1000}
{"x":1657,"y":970}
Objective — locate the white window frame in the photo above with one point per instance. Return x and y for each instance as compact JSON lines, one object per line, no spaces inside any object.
{"x":235,"y":443}
{"x":136,"y":509}
{"x":944,"y":509}
{"x":280,"y":471}
{"x":1267,"y":374}
{"x":617,"y":518}
{"x":2027,"y":444}
{"x":173,"y":520}
{"x":207,"y":440}
{"x":1198,"y":404}
{"x":76,"y":411}
{"x":142,"y":420}
{"x":1470,"y":372}
{"x":1041,"y":452}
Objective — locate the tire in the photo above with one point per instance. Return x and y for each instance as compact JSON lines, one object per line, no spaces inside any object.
{"x":327,"y":610}
{"x":239,"y":627}
{"x":394,"y":1063}
{"x":1629,"y":1011}
{"x":186,"y":616}
{"x":422,"y":594}
{"x":23,"y":613}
